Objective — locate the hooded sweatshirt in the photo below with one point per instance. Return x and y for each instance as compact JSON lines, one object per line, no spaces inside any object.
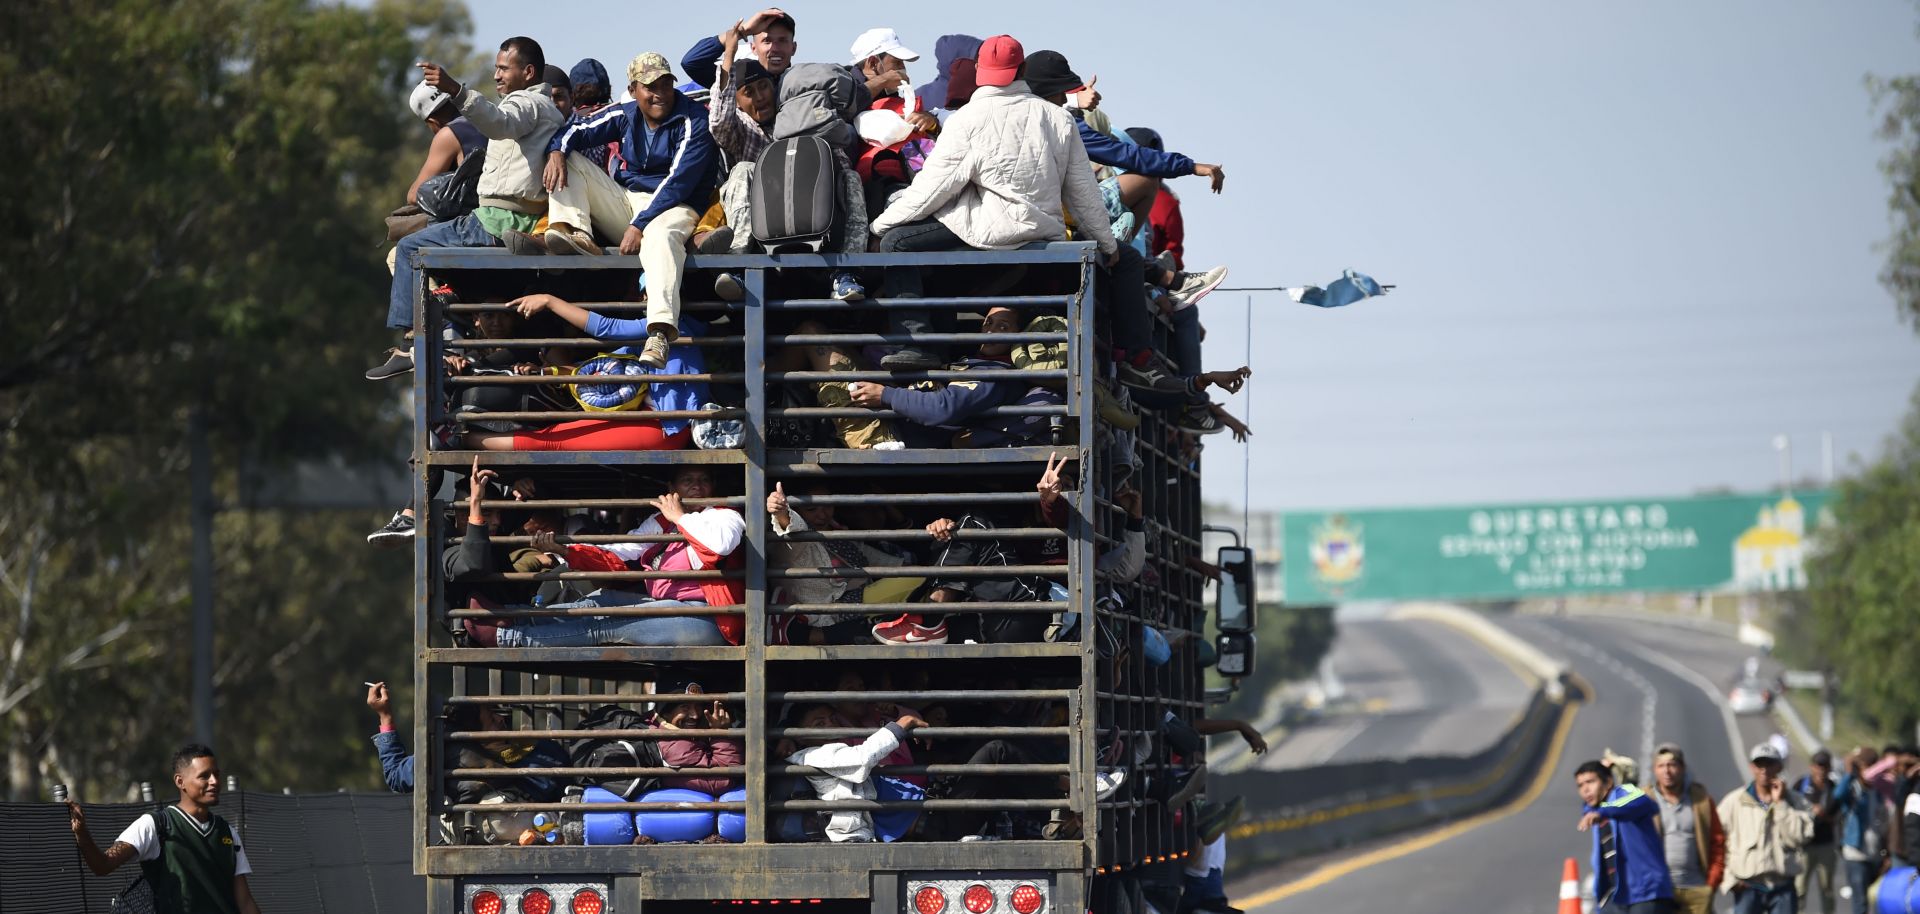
{"x":946,"y":50}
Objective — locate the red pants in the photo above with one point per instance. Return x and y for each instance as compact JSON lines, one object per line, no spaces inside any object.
{"x":602,"y":435}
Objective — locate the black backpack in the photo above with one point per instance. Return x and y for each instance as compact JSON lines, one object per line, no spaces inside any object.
{"x":449,"y":195}
{"x":796,"y":195}
{"x":603,"y":752}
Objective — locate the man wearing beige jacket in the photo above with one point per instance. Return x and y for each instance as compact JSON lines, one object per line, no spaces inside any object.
{"x":1766,"y":826}
{"x":512,"y":197}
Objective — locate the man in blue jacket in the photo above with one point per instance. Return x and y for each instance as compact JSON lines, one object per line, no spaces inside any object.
{"x":1629,"y":860}
{"x":670,"y":166}
{"x":953,"y":413}
{"x":770,"y":36}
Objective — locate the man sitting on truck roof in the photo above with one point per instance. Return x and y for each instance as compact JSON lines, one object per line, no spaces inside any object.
{"x":511,"y":196}
{"x":1007,"y":168}
{"x":954,"y":412}
{"x":771,"y":33}
{"x":653,"y":202}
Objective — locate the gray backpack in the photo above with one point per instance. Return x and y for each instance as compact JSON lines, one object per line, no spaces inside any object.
{"x":820,"y":99}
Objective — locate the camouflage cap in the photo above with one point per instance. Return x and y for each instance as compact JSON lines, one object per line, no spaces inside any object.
{"x":648,"y":67}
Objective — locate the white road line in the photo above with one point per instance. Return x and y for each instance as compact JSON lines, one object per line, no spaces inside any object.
{"x":1702,"y":683}
{"x":1649,"y":696}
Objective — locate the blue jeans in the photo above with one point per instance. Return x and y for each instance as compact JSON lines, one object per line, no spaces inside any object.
{"x":587,"y":631}
{"x":1186,"y":340}
{"x":1760,"y":899}
{"x":464,"y":232}
{"x":1860,"y":875}
{"x":1657,"y":906}
{"x":1196,"y":891}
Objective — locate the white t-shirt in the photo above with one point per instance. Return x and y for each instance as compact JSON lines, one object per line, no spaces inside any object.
{"x":1213,"y":858}
{"x":145,"y":840}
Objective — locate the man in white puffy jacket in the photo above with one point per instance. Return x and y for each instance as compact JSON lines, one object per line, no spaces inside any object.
{"x":517,"y":128}
{"x":1005,"y":171}
{"x":846,"y":769}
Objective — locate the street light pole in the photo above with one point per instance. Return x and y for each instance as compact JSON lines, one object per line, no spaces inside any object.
{"x":1784,"y":445}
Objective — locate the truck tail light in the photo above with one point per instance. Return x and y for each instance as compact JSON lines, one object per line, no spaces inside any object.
{"x":536,"y":901}
{"x":978,"y":899}
{"x":929,"y":899}
{"x":587,"y":901}
{"x":487,"y":903}
{"x":1026,"y":898}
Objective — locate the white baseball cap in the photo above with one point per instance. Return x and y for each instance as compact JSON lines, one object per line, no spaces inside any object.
{"x":874,"y":42}
{"x":425,"y":99}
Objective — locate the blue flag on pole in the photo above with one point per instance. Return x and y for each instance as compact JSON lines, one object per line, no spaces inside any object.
{"x":1349,"y":288}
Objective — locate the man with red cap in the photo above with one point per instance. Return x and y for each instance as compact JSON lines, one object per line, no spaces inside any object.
{"x":1005,"y":172}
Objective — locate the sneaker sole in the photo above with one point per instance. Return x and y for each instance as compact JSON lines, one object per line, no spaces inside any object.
{"x":1179,"y":387}
{"x":940,"y":640}
{"x":851,"y":296}
{"x":383,"y":538}
{"x":376,"y":375}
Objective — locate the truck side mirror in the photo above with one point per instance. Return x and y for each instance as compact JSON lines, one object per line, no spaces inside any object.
{"x":1235,"y":651}
{"x":1234,"y":599}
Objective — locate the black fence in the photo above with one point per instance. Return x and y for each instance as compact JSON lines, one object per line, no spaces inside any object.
{"x":330,"y":852}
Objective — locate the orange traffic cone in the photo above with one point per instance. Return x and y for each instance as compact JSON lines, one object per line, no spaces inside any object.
{"x":1570,"y":887}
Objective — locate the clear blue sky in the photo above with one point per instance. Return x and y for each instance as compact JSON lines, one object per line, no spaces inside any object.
{"x":1633,"y":240}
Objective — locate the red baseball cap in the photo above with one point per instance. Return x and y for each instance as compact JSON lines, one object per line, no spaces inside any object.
{"x":999,"y":61}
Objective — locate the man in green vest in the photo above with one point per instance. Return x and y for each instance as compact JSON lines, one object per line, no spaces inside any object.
{"x":189,"y":857}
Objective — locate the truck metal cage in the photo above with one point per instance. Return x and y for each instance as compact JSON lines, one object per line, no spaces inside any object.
{"x":1106,"y":699}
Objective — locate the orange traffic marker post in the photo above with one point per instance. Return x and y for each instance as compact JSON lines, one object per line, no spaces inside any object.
{"x":1570,"y":887}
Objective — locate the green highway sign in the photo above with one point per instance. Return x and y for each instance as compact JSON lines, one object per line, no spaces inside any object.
{"x":1732,"y":543}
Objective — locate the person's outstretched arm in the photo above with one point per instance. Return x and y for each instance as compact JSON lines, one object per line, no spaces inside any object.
{"x":100,"y":862}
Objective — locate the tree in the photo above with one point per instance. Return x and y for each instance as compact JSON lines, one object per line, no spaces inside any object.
{"x":1864,"y":584}
{"x":1899,"y":99}
{"x":1863,"y":598}
{"x":194,"y":225}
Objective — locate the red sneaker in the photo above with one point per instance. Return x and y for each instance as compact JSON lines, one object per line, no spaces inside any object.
{"x":908,"y":630}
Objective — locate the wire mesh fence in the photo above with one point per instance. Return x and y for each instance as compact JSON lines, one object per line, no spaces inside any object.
{"x":331,"y":852}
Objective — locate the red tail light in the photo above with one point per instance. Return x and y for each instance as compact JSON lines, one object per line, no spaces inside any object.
{"x":929,"y":900}
{"x":487,"y":903}
{"x":978,"y":899}
{"x":587,"y":901}
{"x":1026,"y":898}
{"x":536,"y":901}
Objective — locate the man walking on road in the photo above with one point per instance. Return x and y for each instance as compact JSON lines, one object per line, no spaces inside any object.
{"x":1766,"y":824}
{"x":1822,"y":856}
{"x":1690,"y":831}
{"x":1629,"y":866}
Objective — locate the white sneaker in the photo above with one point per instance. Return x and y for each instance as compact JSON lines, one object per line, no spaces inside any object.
{"x":1189,"y":288}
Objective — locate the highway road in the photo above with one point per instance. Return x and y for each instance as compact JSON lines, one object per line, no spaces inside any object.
{"x":1648,"y":682}
{"x":1412,"y":687}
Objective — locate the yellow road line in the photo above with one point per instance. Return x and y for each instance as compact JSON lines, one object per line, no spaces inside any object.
{"x":1332,"y":871}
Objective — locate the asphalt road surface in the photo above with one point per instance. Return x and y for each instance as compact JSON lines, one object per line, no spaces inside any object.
{"x":1413,"y":687}
{"x":1511,"y":863}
